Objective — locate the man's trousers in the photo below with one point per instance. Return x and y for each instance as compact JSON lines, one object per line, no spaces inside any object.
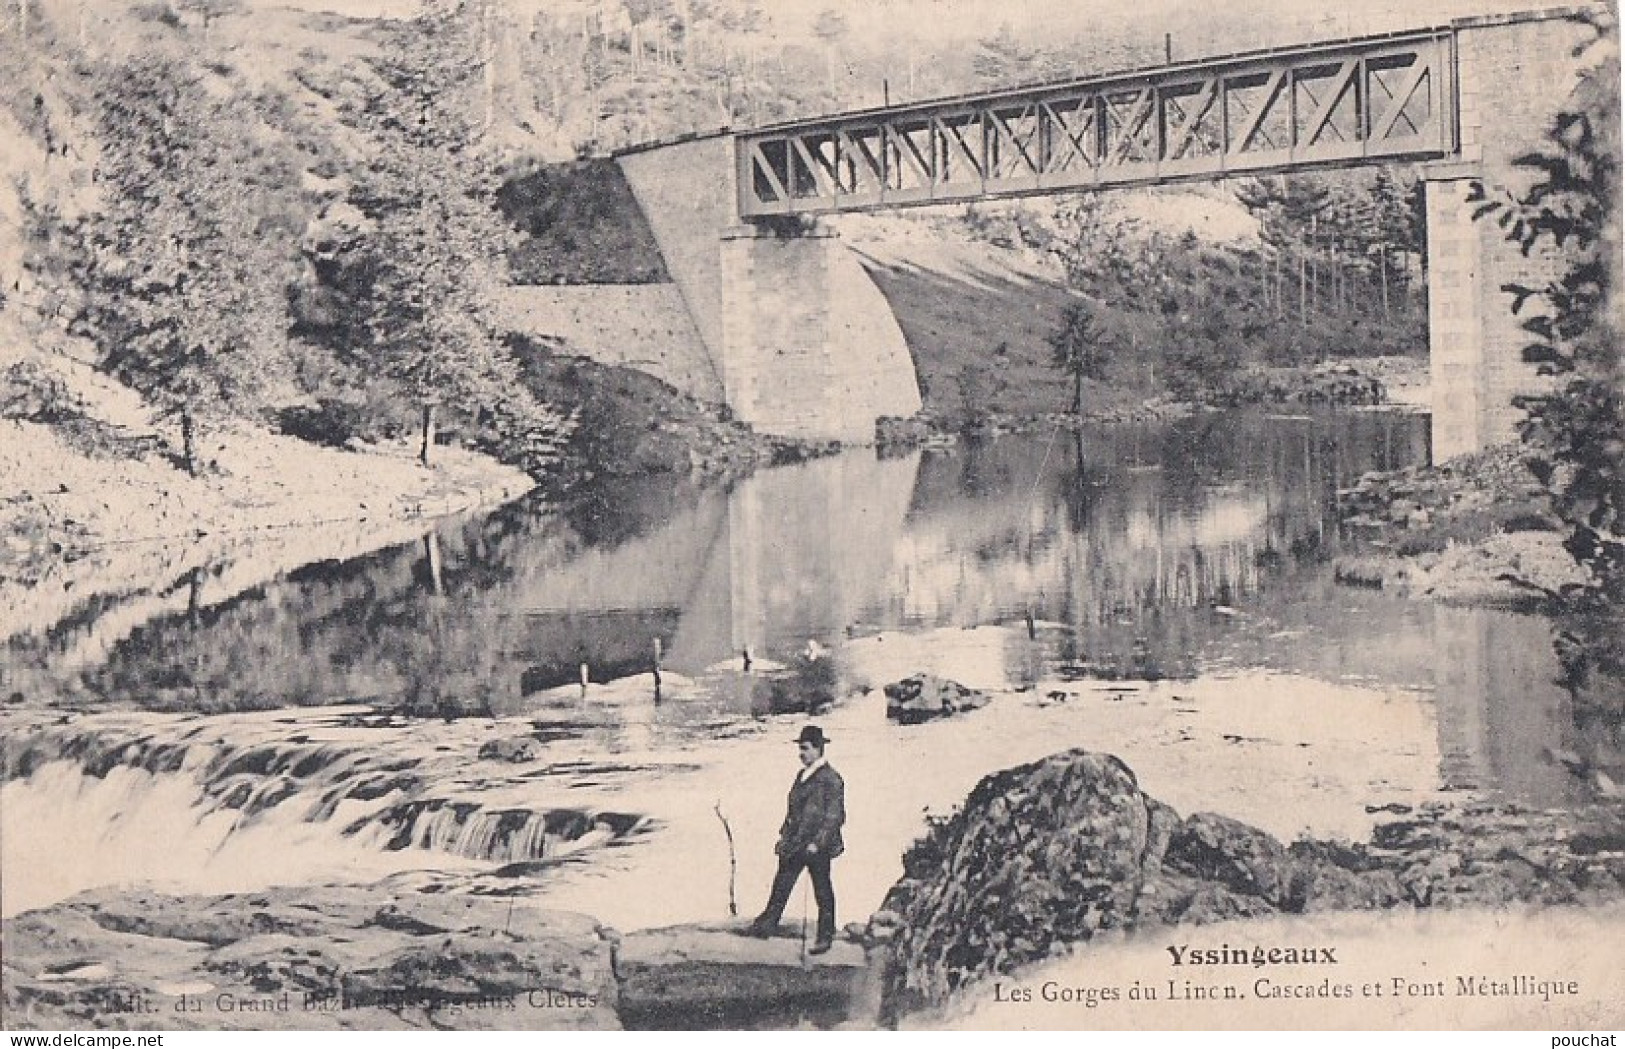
{"x":790,"y":868}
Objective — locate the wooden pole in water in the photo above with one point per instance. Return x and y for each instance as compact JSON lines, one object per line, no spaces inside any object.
{"x":426,"y":446}
{"x":431,"y":547}
{"x":585,"y":676}
{"x":657,"y":670}
{"x":194,"y":595}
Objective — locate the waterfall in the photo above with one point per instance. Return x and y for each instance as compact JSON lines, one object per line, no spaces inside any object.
{"x":502,"y":836}
{"x":234,"y":803}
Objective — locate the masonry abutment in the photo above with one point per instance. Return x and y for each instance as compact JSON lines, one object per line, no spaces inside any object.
{"x":811,"y":347}
{"x":1455,"y":315}
{"x":803,"y":343}
{"x":1512,"y":78}
{"x":1475,"y":342}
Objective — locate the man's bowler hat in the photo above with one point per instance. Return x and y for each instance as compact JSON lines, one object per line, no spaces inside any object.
{"x":814,"y":735}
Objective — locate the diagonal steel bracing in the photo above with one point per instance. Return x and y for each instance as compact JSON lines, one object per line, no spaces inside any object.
{"x":1381,"y":98}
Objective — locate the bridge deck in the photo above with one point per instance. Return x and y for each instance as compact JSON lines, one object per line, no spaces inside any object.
{"x":1385,"y":97}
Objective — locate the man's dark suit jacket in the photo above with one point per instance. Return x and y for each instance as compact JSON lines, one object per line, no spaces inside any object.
{"x":816,"y":811}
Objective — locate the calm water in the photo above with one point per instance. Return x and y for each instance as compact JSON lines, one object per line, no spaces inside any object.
{"x":1161,"y":592}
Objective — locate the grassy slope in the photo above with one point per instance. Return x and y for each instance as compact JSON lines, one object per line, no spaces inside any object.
{"x":962,"y":285}
{"x":954,"y":328}
{"x":977,"y":315}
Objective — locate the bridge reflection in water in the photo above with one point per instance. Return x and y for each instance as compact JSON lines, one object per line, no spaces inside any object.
{"x":1094,"y":534}
{"x":1164,"y":552}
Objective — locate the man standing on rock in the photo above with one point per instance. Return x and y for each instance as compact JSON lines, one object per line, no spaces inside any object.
{"x":810,"y":839}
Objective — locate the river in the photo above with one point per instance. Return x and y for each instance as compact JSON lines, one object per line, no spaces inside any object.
{"x":418,"y":713}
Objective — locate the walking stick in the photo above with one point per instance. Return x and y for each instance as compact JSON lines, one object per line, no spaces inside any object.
{"x":733,"y":863}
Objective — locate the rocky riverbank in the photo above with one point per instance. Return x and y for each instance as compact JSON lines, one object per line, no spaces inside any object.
{"x":1043,"y":862}
{"x":1356,"y":383}
{"x":63,"y":504}
{"x":308,"y":958}
{"x":99,"y":470}
{"x":389,"y":957}
{"x":931,"y":429}
{"x":1053,"y":854}
{"x":1476,"y":529}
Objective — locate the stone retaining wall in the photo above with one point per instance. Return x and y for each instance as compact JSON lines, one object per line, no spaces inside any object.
{"x":642,"y":326}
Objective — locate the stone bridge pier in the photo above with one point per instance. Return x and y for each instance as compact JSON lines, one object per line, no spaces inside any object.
{"x":1512,"y":76}
{"x":810,"y":346}
{"x":803,"y":341}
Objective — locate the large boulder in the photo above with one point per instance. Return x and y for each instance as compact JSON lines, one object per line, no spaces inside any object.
{"x":1179,"y":900}
{"x":1240,"y":857}
{"x":923,"y":697}
{"x":1045,"y":853}
{"x":1049,"y":854}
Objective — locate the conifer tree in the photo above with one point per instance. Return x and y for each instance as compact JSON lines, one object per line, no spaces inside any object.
{"x":189,"y":260}
{"x":437,"y":244}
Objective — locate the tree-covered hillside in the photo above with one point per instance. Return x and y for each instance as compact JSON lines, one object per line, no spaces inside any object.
{"x":1225,"y":293}
{"x":257,"y":213}
{"x":300,"y":232}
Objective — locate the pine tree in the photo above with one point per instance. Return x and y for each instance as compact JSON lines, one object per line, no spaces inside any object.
{"x":831,"y":28}
{"x":190,"y":259}
{"x":1080,"y":347}
{"x":1392,"y":228}
{"x":437,"y":243}
{"x":1002,"y":59}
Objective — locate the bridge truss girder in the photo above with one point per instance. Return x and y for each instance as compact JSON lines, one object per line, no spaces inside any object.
{"x":1382,"y":98}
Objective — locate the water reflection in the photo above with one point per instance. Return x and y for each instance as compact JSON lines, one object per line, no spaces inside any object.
{"x":1158,"y":552}
{"x":1143,"y":542}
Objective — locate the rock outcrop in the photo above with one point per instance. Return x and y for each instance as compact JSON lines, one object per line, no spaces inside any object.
{"x":516,"y":750}
{"x":1475,"y":530}
{"x":709,"y":977}
{"x":923,"y":697}
{"x":306,"y":958}
{"x":386,"y":956}
{"x":1047,"y":855}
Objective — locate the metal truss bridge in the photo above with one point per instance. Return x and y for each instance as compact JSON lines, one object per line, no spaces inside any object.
{"x":1377,"y":98}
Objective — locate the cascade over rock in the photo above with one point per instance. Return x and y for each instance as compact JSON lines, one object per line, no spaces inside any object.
{"x":229,"y":794}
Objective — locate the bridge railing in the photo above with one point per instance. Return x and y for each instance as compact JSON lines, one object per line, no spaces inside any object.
{"x":1389,"y":97}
